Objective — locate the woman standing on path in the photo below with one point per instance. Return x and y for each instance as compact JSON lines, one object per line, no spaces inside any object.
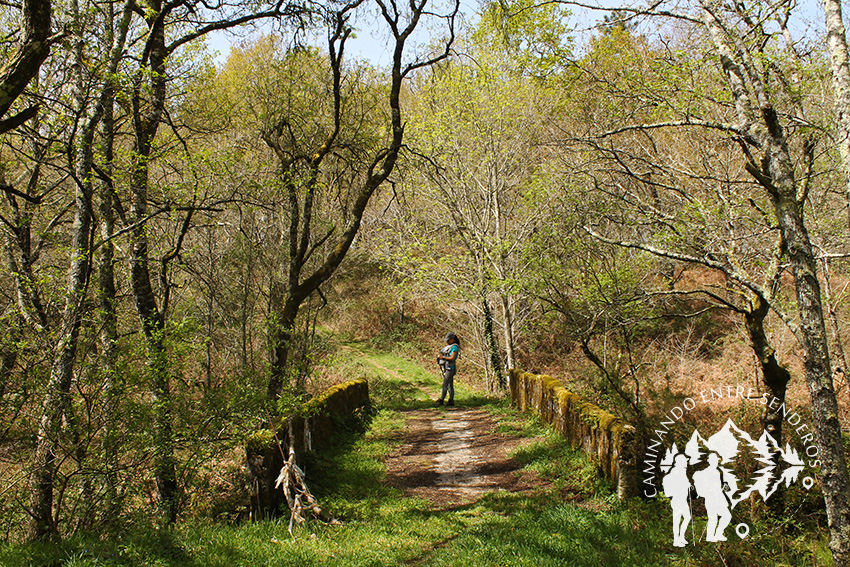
{"x":447,"y":359}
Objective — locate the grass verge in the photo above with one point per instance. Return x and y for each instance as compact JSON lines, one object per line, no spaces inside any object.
{"x":572,"y":520}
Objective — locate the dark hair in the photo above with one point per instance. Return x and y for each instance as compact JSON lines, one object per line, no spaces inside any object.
{"x":452,"y":338}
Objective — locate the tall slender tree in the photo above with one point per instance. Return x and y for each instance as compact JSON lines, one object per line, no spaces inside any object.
{"x":304,"y":167}
{"x":148,"y":110}
{"x":66,"y":337}
{"x":839,"y":55}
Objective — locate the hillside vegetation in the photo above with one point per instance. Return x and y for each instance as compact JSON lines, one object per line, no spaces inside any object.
{"x":570,"y":517}
{"x":649,"y":203}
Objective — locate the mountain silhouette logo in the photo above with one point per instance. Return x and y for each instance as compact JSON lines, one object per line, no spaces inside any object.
{"x":706,"y":468}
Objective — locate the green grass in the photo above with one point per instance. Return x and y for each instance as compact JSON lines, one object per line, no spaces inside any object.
{"x":418,"y":388}
{"x":574,"y":521}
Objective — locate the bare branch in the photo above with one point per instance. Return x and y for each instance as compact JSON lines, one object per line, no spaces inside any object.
{"x":721,"y":126}
{"x":728,"y":269}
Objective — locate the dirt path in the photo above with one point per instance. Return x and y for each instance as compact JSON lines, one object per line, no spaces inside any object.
{"x":453,"y":456}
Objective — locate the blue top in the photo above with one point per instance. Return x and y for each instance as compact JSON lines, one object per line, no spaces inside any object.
{"x":452,"y":364}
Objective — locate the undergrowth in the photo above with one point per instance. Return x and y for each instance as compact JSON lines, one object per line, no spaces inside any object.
{"x":573,"y":519}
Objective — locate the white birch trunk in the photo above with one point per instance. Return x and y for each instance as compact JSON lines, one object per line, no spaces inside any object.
{"x":836,"y":40}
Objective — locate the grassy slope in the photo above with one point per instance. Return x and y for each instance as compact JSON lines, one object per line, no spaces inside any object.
{"x":573,"y":522}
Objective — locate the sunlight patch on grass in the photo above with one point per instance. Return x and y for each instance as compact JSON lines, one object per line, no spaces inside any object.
{"x":574,"y":520}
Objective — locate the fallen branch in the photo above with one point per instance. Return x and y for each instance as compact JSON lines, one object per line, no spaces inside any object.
{"x":298,"y":496}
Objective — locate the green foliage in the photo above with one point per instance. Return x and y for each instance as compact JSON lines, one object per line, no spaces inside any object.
{"x":533,"y":35}
{"x":491,"y":206}
{"x":479,"y":180}
{"x":553,"y":458}
{"x":265,"y":84}
{"x":257,"y":442}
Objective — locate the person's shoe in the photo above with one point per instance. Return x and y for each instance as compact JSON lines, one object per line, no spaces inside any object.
{"x":439,"y":402}
{"x":451,"y":404}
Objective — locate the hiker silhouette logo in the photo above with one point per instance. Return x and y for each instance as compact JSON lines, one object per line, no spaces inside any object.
{"x":715,"y":474}
{"x":715,"y":480}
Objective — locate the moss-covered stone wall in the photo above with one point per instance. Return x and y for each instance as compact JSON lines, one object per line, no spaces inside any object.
{"x":311,"y":430}
{"x":325,"y":411}
{"x":609,"y":441}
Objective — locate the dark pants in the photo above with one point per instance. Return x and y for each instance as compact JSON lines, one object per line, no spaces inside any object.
{"x":449,"y":385}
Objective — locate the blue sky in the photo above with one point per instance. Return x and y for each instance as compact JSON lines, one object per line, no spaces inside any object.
{"x":371,"y":40}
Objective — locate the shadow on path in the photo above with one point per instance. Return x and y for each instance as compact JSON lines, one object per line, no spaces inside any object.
{"x":454,"y":456}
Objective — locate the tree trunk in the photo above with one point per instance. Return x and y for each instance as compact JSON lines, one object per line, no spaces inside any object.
{"x":283,"y":325}
{"x":152,"y":319}
{"x":107,"y":308}
{"x":57,"y":399}
{"x":108,"y":337}
{"x":836,"y":329}
{"x":24,"y":65}
{"x":507,"y":310}
{"x":58,"y":393}
{"x":153,"y":330}
{"x":246,"y":310}
{"x":775,"y":172}
{"x":776,"y":377}
{"x":492,"y":346}
{"x":480,"y":335}
{"x":19,"y":258}
{"x":834,"y":477}
{"x":836,"y":40}
{"x":9,"y":354}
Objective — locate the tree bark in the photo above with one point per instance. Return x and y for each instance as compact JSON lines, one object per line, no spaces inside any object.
{"x":836,"y":40}
{"x":776,"y":376}
{"x":836,"y":329}
{"x":775,"y":172}
{"x":283,"y":326}
{"x":507,"y":311}
{"x":57,"y":397}
{"x":146,"y":125}
{"x":834,"y":477}
{"x":108,"y":336}
{"x":153,"y":330}
{"x":492,"y":347}
{"x":777,"y":176}
{"x":20,"y":257}
{"x":9,"y":355}
{"x":26,"y":62}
